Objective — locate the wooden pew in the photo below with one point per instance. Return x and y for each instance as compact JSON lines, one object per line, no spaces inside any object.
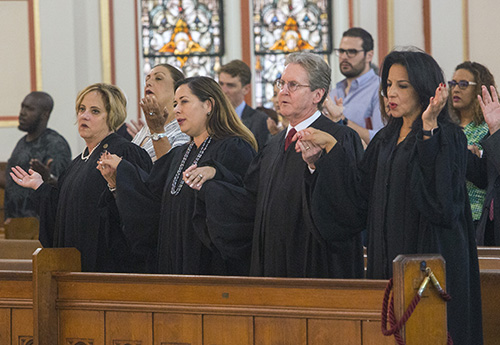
{"x":102,"y":308}
{"x":22,"y":228}
{"x":16,"y":307}
{"x":16,"y":255}
{"x":156,"y":309}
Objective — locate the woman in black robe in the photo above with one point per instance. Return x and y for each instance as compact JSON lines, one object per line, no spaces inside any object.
{"x":70,"y":215}
{"x":412,"y":187}
{"x":160,"y":208}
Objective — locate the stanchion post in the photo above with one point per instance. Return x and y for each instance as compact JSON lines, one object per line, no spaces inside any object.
{"x":427,"y":325}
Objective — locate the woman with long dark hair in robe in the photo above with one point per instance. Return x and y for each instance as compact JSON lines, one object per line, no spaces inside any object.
{"x":162,"y":213}
{"x":412,"y":186}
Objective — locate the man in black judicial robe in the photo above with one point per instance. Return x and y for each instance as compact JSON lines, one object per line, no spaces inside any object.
{"x":300,"y":216}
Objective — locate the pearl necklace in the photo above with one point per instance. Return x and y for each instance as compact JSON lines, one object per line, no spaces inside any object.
{"x":177,"y":188}
{"x":85,"y":158}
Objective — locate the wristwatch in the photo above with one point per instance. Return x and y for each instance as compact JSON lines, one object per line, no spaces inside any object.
{"x":158,"y":136}
{"x":430,"y":133}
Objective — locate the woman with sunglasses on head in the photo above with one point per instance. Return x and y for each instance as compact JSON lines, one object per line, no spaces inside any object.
{"x":412,"y":187}
{"x":464,"y":105}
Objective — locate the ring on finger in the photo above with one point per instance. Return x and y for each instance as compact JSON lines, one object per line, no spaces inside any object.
{"x":151,"y":113}
{"x":200,"y":176}
{"x":307,"y":147}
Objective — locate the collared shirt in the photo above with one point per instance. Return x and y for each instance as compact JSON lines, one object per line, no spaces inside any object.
{"x":304,"y":124}
{"x":174,"y":136}
{"x":239,"y":109}
{"x":362,"y":101}
{"x":474,"y":134}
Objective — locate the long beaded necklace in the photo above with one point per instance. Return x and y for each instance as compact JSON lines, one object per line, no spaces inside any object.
{"x":177,"y":188}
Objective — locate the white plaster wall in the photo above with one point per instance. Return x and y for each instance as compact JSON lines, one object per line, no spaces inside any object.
{"x":340,"y":15}
{"x":484,"y":26}
{"x":71,"y":46}
{"x":232,"y":29}
{"x":446,"y":34}
{"x":125,"y":54}
{"x":365,"y":16}
{"x":408,"y":23}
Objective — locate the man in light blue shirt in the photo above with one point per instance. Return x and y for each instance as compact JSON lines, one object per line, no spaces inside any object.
{"x":359,"y":91}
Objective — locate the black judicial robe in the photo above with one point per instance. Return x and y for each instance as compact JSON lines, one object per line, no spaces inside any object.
{"x":417,"y":203}
{"x":484,"y":172}
{"x":302,"y":222}
{"x":71,"y":216}
{"x":170,"y":231}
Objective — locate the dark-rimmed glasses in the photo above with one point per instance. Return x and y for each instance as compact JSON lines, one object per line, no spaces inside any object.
{"x":463,"y":84}
{"x":349,"y":52}
{"x":292,"y":85}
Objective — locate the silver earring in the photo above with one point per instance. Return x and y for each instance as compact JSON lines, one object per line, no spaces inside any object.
{"x":208,"y":114}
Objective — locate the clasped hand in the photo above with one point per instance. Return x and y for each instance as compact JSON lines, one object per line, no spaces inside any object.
{"x":311,"y":142}
{"x":195,"y":176}
{"x":107,"y":165}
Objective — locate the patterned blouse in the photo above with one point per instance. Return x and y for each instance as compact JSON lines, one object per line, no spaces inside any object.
{"x":174,"y":135}
{"x":474,"y":134}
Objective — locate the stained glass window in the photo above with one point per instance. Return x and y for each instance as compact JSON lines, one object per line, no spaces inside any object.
{"x":282,"y":27}
{"x":187,"y":34}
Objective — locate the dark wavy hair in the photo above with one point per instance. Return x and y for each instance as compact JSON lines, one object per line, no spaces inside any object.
{"x":223,"y":121}
{"x":482,"y":76}
{"x":424,"y":75}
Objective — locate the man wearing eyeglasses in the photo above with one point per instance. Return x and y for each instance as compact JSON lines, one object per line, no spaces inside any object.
{"x":297,"y":203}
{"x":359,"y":90}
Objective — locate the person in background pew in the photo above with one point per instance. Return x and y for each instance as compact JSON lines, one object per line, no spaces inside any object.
{"x":69,"y":213}
{"x":41,"y":149}
{"x":164,"y":218}
{"x":235,"y":80}
{"x":162,"y":132}
{"x":465,"y":86}
{"x":412,"y":186}
{"x":484,"y":171}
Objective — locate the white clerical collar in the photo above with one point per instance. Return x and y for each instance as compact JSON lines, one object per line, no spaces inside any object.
{"x":306,"y":123}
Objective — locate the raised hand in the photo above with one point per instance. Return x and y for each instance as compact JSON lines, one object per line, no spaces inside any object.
{"x":490,"y":107}
{"x":195,"y":176}
{"x":333,"y":109}
{"x":134,"y":127}
{"x":436,"y":104}
{"x":32,"y":179}
{"x":42,"y":169}
{"x":156,"y":117}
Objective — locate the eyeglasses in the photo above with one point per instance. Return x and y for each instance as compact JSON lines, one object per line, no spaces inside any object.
{"x":463,"y":84}
{"x":292,"y":85}
{"x":349,"y":52}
